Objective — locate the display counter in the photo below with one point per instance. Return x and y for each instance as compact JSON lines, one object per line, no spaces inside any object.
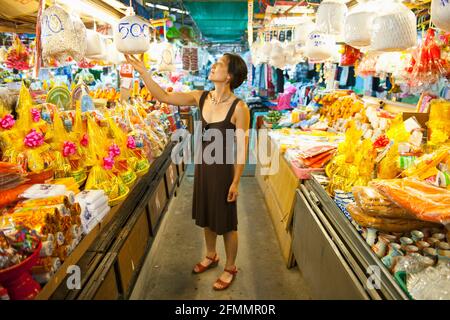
{"x":312,"y":231}
{"x":107,"y":262}
{"x":279,"y":195}
{"x":329,"y":250}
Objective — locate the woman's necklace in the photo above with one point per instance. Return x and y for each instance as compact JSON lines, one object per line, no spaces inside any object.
{"x":216,"y":102}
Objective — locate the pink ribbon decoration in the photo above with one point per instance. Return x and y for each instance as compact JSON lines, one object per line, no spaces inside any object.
{"x":114,"y":151}
{"x":131,"y":143}
{"x":36,"y":115}
{"x":84,"y":141}
{"x":69,"y":148}
{"x":108,"y":163}
{"x":33,"y":139}
{"x":7,"y":122}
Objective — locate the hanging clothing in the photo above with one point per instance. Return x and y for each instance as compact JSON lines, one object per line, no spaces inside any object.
{"x":280,"y":81}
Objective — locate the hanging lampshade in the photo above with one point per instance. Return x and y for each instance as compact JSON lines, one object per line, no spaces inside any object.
{"x":302,"y":30}
{"x":394,"y":28}
{"x":330,"y":17}
{"x":358,"y":24}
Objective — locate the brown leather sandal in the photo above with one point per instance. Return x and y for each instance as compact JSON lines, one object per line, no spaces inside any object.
{"x":224,"y":285}
{"x":201,"y":268}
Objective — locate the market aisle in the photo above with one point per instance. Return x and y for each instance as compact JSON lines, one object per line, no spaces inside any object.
{"x":166,"y":273}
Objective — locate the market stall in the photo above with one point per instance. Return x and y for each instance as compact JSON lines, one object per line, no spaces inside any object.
{"x":86,"y":152}
{"x":359,"y":197}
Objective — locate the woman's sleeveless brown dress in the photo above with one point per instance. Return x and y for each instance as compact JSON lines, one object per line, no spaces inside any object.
{"x":212,"y":181}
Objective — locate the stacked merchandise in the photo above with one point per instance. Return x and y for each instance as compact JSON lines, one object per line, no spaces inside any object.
{"x":94,"y":207}
{"x":190,"y":59}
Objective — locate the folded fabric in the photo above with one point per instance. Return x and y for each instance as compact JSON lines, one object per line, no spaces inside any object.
{"x":44,"y":190}
{"x":99,"y":203}
{"x":89,"y":197}
{"x":102,"y":213}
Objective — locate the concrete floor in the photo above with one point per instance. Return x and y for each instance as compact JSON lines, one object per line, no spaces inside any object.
{"x":179,"y":245}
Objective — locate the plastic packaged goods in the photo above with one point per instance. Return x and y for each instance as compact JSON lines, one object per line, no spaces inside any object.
{"x":330,"y":16}
{"x":367,"y":66}
{"x":431,"y":283}
{"x":438,"y":122}
{"x":319,"y":46}
{"x":302,"y":30}
{"x":132,"y":35}
{"x":167,"y":58}
{"x":103,"y":54}
{"x":358,"y":24}
{"x":63,"y":35}
{"x":350,"y":56}
{"x":266,"y":48}
{"x":372,"y":203}
{"x":394,"y":27}
{"x":386,"y":224}
{"x":427,"y":65}
{"x":440,"y":14}
{"x":277,"y":57}
{"x":18,"y":56}
{"x":255,"y":51}
{"x":426,"y":202}
{"x":423,"y":165}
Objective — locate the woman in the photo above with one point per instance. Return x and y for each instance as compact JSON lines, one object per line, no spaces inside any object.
{"x":216,"y":184}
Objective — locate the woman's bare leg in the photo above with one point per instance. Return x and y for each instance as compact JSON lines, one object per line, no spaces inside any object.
{"x":210,"y":240}
{"x":231,"y":246}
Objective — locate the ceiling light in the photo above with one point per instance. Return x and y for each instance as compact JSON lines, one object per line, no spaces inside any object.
{"x":158,"y":6}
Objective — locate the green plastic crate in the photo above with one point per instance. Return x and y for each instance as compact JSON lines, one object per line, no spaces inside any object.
{"x":400,"y":277}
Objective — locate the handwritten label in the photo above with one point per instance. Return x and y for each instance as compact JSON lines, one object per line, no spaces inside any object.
{"x":52,"y":24}
{"x":135,"y":30}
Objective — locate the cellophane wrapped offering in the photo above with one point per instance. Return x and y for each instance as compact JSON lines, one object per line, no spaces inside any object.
{"x":16,"y":245}
{"x":18,"y":56}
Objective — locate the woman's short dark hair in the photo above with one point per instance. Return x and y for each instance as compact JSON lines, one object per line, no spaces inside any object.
{"x":237,"y":68}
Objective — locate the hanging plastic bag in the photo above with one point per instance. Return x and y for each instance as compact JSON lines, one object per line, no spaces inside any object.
{"x":18,"y":56}
{"x":358,"y":24}
{"x":277,"y":58}
{"x":302,"y":30}
{"x":63,"y":35}
{"x":330,"y":16}
{"x":255,"y":52}
{"x":367,"y":66}
{"x":440,"y":14}
{"x":319,"y":46}
{"x":394,"y":28}
{"x":350,"y":56}
{"x":266,"y":48}
{"x":132,"y":34}
{"x":95,"y":44}
{"x":427,"y":66}
{"x":166,"y":62}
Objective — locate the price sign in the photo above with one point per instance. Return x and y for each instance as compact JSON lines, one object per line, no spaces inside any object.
{"x":134,"y":30}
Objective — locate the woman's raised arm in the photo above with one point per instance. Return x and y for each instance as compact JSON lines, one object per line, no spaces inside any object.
{"x":174,"y":98}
